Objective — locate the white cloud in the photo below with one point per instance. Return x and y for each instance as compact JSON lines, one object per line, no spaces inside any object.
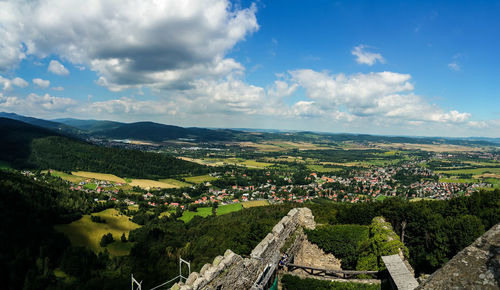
{"x":58,"y":89}
{"x":454,"y":66}
{"x":41,"y":83}
{"x":177,"y":43}
{"x":366,"y":57}
{"x":36,"y":105}
{"x":57,"y":68}
{"x":383,"y":96}
{"x":17,"y":81}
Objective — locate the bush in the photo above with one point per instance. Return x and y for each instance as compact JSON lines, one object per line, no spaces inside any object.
{"x":97,"y":219}
{"x":290,"y":282}
{"x":340,"y":240}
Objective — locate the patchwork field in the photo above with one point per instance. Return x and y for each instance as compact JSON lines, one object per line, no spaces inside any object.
{"x":99,"y":176}
{"x":86,"y":233}
{"x":254,"y":203}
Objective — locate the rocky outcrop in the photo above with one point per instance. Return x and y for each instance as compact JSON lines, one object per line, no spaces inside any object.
{"x":231,"y":271}
{"x":475,"y":267}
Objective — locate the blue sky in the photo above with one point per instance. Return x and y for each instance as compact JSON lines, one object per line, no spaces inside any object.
{"x":380,"y":67}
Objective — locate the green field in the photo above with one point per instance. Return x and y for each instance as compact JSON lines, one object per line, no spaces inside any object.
{"x":175,"y":182}
{"x":253,"y":203}
{"x":200,"y":178}
{"x":458,"y":180}
{"x":321,"y":168}
{"x":99,"y":176}
{"x":201,"y":211}
{"x":66,"y":176}
{"x":91,"y":186}
{"x":475,"y":171}
{"x":86,"y":233}
{"x":381,"y":197}
{"x":225,"y":209}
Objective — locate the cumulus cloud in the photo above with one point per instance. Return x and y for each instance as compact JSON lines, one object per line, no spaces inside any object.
{"x":366,"y":57}
{"x":33,"y":104}
{"x":57,"y":68}
{"x":8,"y":83}
{"x":41,"y":83}
{"x":383,"y":95}
{"x":177,"y":43}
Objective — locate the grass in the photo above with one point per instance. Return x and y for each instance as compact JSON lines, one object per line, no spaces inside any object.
{"x":99,"y":176}
{"x":175,"y":182}
{"x":381,"y":197}
{"x":254,"y":203}
{"x":228,"y":208}
{"x":458,"y":180}
{"x":475,"y":171}
{"x":148,"y":183}
{"x":201,"y":211}
{"x":321,"y":168}
{"x":91,"y":186}
{"x":66,"y":176}
{"x":86,"y":233}
{"x":200,"y":178}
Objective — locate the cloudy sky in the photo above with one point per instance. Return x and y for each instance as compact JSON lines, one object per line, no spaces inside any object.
{"x":425,"y":68}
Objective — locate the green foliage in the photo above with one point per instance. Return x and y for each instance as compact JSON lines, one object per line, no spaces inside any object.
{"x":65,"y":154}
{"x":340,"y":240}
{"x":123,"y":238}
{"x":291,"y":282}
{"x":106,"y":240}
{"x":382,"y":241}
{"x":97,"y":219}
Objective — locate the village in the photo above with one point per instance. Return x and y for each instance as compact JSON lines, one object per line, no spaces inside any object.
{"x":408,"y":181}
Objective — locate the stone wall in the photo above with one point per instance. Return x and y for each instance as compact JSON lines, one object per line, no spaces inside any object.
{"x":231,"y":271}
{"x":475,"y":267}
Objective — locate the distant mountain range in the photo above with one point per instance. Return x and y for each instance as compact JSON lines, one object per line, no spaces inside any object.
{"x":150,"y":131}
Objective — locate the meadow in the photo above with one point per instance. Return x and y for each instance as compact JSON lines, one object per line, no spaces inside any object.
{"x":86,"y":233}
{"x":228,"y":208}
{"x":254,"y":203}
{"x":201,"y":211}
{"x":199,"y":178}
{"x":148,"y":183}
{"x":99,"y":176}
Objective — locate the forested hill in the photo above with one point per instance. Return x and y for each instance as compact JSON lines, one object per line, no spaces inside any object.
{"x":27,"y":146}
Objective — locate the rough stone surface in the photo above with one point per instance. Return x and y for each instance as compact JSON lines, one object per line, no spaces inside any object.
{"x":475,"y":267}
{"x":231,"y":271}
{"x":311,"y":255}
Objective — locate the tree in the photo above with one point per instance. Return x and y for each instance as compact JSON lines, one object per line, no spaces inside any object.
{"x":106,"y":240}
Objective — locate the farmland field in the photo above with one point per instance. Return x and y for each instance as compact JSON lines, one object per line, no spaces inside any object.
{"x":99,"y":176}
{"x":85,"y":233}
{"x":201,"y":211}
{"x":147,"y":183}
{"x":225,"y":209}
{"x":320,"y":168}
{"x":253,"y":203}
{"x":200,"y":178}
{"x":66,"y":176}
{"x":475,"y":171}
{"x":175,"y":182}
